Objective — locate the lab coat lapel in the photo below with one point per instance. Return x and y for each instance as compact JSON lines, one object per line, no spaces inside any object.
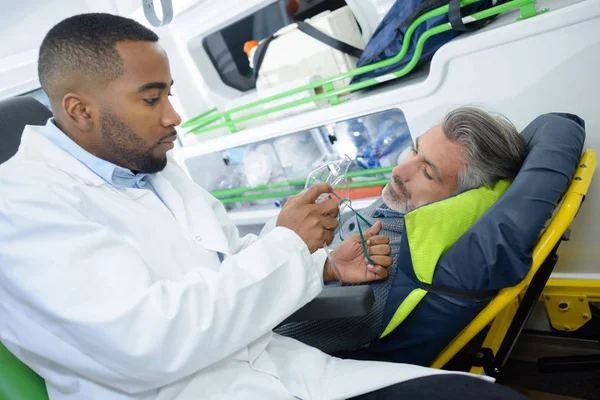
{"x":191,"y":211}
{"x":170,"y":198}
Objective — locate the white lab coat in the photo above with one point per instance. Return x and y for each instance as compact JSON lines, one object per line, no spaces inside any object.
{"x":109,"y":294}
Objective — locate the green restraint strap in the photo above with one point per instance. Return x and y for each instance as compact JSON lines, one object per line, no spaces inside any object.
{"x":433,"y":229}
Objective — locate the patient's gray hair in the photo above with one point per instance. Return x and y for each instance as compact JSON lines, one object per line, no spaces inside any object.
{"x":493,"y":149}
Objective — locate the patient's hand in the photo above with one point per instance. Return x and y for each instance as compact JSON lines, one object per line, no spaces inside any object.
{"x":352,"y":263}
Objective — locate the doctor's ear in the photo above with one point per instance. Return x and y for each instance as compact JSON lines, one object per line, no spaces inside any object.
{"x":78,"y":110}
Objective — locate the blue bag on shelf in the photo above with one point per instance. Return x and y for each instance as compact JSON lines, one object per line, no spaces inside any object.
{"x":388,"y":38}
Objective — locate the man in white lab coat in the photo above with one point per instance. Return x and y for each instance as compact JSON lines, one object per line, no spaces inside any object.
{"x":122,"y":279}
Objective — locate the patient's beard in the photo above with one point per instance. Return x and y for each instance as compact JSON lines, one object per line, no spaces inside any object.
{"x":394,"y":201}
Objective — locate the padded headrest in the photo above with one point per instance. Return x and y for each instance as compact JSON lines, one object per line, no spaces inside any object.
{"x":496,"y":252}
{"x":15,"y":113}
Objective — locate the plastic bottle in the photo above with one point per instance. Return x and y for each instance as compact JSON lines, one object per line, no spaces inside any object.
{"x":250,"y":48}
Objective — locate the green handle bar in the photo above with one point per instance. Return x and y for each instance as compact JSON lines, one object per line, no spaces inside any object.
{"x":297,"y":182}
{"x":287,"y":193}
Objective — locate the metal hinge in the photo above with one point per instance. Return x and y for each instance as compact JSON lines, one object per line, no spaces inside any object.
{"x":485,"y":358}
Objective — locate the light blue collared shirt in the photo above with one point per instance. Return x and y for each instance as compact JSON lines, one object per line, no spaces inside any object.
{"x":114,"y":175}
{"x":387,"y":213}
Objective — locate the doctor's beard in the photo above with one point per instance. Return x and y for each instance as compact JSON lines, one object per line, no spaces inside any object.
{"x":402,"y":204}
{"x":124,"y":142}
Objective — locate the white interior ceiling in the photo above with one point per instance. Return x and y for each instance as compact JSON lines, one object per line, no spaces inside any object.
{"x":24,"y":23}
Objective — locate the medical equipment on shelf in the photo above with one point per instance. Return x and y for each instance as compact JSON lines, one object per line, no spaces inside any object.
{"x":369,"y":14}
{"x":336,"y":175}
{"x":260,"y":164}
{"x":298,"y":154}
{"x":394,"y":136}
{"x":294,"y":56}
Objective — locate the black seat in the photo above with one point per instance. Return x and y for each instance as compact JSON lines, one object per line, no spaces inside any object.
{"x":15,"y":113}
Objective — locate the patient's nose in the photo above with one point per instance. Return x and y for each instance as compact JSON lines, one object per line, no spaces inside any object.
{"x":405,"y":170}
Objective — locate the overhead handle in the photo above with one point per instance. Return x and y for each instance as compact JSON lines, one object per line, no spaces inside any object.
{"x":150,"y":12}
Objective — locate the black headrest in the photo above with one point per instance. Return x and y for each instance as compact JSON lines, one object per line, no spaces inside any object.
{"x":496,"y":252}
{"x":15,"y":113}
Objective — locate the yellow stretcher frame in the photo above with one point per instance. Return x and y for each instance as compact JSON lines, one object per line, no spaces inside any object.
{"x":502,"y":309}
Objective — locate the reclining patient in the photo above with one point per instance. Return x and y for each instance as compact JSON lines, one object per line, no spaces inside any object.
{"x":470,"y":149}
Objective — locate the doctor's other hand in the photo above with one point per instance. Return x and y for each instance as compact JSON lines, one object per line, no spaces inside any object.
{"x":352,"y":263}
{"x":314,"y":223}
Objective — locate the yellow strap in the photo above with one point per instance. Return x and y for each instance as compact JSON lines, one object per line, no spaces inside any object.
{"x":409,"y":304}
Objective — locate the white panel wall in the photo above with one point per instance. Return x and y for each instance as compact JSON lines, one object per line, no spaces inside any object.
{"x":23,"y":25}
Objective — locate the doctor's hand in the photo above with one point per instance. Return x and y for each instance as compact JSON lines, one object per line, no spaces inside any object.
{"x":314,"y":223}
{"x":352,"y":263}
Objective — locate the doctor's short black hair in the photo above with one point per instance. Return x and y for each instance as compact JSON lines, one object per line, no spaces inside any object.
{"x":83,"y":47}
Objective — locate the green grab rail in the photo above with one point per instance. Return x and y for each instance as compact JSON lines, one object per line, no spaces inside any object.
{"x":296,"y":182}
{"x":198,"y":118}
{"x":199,"y":124}
{"x":286,"y":193}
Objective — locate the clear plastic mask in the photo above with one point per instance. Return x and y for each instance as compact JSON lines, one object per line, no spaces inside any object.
{"x":335,"y":174}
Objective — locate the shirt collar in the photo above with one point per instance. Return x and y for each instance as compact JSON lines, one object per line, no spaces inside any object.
{"x":383,"y":211}
{"x":387,"y":213}
{"x":111,"y":173}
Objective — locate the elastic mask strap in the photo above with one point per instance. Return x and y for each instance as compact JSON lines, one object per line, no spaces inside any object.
{"x":362,"y":240}
{"x":360,"y":232}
